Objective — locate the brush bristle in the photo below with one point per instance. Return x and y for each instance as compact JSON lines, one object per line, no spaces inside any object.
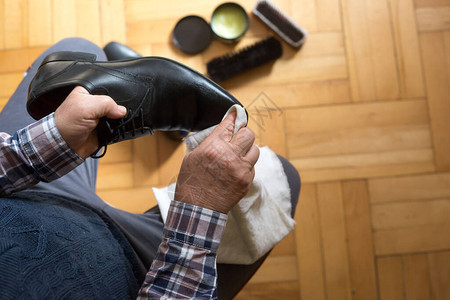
{"x":229,"y":65}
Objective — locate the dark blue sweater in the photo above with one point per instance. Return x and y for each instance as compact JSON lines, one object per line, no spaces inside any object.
{"x":55,"y":248}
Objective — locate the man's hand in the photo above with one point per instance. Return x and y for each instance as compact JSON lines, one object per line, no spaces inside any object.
{"x":218,"y":173}
{"x":77,"y":117}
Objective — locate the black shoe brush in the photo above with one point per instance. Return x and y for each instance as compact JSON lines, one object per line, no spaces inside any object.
{"x":227,"y":66}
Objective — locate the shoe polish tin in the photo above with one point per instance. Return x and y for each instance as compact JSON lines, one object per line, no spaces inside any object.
{"x":192,"y":34}
{"x":229,"y":22}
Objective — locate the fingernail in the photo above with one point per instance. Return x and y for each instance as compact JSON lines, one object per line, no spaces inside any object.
{"x":122,"y":109}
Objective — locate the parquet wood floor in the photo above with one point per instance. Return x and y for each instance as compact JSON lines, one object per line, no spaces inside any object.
{"x":362,"y":111}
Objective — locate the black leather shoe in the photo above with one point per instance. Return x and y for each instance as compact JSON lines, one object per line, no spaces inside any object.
{"x":159,"y":93}
{"x":118,"y":51}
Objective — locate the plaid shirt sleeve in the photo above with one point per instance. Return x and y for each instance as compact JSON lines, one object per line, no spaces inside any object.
{"x":185,"y":264}
{"x":34,"y":153}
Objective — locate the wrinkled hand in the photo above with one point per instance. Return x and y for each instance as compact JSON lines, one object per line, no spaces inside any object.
{"x":77,"y":117}
{"x":218,"y":173}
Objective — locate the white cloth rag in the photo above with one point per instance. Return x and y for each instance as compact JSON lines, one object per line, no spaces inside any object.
{"x":261,"y":219}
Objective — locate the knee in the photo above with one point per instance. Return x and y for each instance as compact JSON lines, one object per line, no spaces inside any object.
{"x":75,"y":42}
{"x":79,"y":44}
{"x":294,"y":181}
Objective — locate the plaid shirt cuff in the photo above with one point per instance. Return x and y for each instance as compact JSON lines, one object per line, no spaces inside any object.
{"x":46,"y":150}
{"x":185,"y":264}
{"x":194,"y":225}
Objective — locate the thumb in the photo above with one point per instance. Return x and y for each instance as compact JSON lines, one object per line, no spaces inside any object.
{"x":104,"y":106}
{"x":107,"y":107}
{"x":225,"y":129}
{"x":80,"y":90}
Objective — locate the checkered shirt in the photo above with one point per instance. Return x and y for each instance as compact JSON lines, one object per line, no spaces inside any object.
{"x":185,"y":264}
{"x":33,"y":154}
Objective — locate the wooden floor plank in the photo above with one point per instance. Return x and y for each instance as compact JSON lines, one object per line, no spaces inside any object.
{"x":170,"y":156}
{"x":322,"y":15}
{"x":433,"y":18}
{"x":18,"y":60}
{"x":439,"y":266}
{"x":264,"y":113}
{"x":113,"y":23}
{"x":416,"y":276}
{"x":360,"y":67}
{"x":334,"y":237}
{"x":9,"y":83}
{"x":381,"y":164}
{"x":407,"y":49}
{"x":410,"y":188}
{"x":367,"y":135}
{"x":360,"y":241}
{"x":256,"y":128}
{"x":305,"y":14}
{"x":2,"y":24}
{"x":390,"y":278}
{"x":218,"y":49}
{"x":64,"y":19}
{"x":383,"y":50}
{"x":447,"y":51}
{"x":365,"y":115}
{"x":271,"y":125}
{"x":3,"y":102}
{"x":319,"y":44}
{"x":144,"y":50}
{"x":431,"y":3}
{"x":40,"y":22}
{"x":134,"y":200}
{"x":118,"y":153}
{"x":370,"y":50}
{"x":269,"y":291}
{"x":437,"y":78}
{"x":359,"y":140}
{"x":172,"y":52}
{"x":15,"y":24}
{"x":257,"y":28}
{"x":309,"y":247}
{"x":405,"y":222}
{"x":364,"y":128}
{"x":313,"y":93}
{"x":293,"y":70}
{"x":151,"y":31}
{"x":276,"y":269}
{"x":410,"y":214}
{"x":145,"y":9}
{"x":88,"y":20}
{"x":420,"y":238}
{"x":115,"y":176}
{"x":145,"y":161}
{"x":286,"y":246}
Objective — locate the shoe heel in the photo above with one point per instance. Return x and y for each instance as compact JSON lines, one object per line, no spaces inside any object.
{"x":69,"y":56}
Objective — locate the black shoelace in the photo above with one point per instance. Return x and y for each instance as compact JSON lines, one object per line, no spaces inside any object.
{"x":121,"y":130}
{"x":132,"y":123}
